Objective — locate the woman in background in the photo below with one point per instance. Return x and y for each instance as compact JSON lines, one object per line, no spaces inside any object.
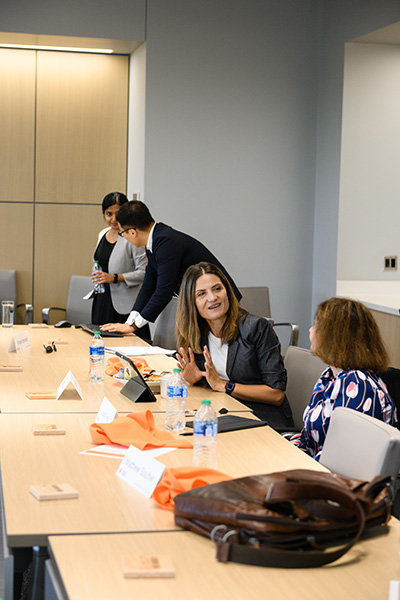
{"x":346,"y":337}
{"x":123,"y":266}
{"x":232,"y":351}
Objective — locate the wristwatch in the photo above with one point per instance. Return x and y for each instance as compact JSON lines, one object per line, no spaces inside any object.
{"x":229,"y":387}
{"x":115,"y":277}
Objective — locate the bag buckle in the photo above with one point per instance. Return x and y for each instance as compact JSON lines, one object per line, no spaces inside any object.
{"x":269,"y":492}
{"x":214,"y":531}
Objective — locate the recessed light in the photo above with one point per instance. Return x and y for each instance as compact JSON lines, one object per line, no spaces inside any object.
{"x":58,"y":48}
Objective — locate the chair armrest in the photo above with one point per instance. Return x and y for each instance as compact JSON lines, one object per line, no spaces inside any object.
{"x":294,"y":333}
{"x":46,"y":313}
{"x":28,"y":312}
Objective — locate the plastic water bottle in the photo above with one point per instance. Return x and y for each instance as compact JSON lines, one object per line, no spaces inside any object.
{"x":96,"y":358}
{"x":98,"y":287}
{"x":176,"y":401}
{"x":205,"y":436}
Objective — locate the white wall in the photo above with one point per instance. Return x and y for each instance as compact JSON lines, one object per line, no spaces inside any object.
{"x":230,"y":137}
{"x":369,"y":208}
{"x":137,"y":113}
{"x":342,"y":22}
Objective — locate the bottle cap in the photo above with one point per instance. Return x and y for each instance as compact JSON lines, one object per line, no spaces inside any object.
{"x":177,"y":370}
{"x":206,"y":401}
{"x":97,"y":333}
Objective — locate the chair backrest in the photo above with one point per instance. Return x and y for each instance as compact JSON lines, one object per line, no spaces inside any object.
{"x":164,"y":334}
{"x":360,"y":446}
{"x":79,"y":310}
{"x":256,"y":300}
{"x":8,"y":286}
{"x":303,"y":370}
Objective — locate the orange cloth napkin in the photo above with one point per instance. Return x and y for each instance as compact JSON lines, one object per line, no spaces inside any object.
{"x":114,"y":364}
{"x":182,"y":479}
{"x":137,"y":429}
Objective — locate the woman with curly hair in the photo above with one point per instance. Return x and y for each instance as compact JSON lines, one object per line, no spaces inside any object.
{"x":346,"y":337}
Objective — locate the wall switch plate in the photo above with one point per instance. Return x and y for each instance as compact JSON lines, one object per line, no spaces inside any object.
{"x":390,"y":263}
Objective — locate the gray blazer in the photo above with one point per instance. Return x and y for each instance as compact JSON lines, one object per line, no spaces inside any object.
{"x":131,"y":262}
{"x":255,"y":358}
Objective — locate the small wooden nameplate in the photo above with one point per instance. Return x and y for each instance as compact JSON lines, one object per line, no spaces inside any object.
{"x":11,"y":368}
{"x":53,"y":491}
{"x":41,"y":395}
{"x":38,"y":325}
{"x":141,"y":566}
{"x":47,"y":429}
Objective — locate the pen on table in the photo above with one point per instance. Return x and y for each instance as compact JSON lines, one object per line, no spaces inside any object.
{"x":148,"y":374}
{"x":187,"y":433}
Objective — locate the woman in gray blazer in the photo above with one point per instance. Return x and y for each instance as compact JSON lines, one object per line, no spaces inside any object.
{"x":123,"y":267}
{"x":223,"y":346}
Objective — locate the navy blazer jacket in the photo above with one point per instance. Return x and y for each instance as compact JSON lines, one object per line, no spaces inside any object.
{"x":255,"y":358}
{"x":172,"y":253}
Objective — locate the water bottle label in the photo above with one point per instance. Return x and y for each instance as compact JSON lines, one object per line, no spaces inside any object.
{"x":175,"y":391}
{"x":96,"y":351}
{"x":205,"y":429}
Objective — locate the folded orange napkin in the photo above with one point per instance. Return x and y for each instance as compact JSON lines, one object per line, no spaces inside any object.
{"x":182,"y":479}
{"x":114,"y":364}
{"x":136,"y":429}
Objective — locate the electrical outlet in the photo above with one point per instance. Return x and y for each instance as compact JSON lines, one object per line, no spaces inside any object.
{"x":390,"y":263}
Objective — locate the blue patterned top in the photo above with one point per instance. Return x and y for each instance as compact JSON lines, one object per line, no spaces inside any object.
{"x":360,"y":390}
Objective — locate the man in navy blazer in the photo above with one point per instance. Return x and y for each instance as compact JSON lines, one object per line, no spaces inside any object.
{"x":169,"y":254}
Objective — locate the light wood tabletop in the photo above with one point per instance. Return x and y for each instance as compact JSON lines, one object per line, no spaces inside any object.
{"x":45,"y":372}
{"x":90,"y":567}
{"x":106,"y":504}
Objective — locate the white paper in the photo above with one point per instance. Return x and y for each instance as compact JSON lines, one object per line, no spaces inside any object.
{"x":394,"y":590}
{"x":69,"y":378}
{"x":140,"y":471}
{"x":19,"y":341}
{"x":140,"y":350}
{"x":107,"y":412}
{"x":117,"y":451}
{"x":107,"y":451}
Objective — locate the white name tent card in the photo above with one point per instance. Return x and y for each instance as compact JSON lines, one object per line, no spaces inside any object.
{"x":69,"y":379}
{"x":107,"y":412}
{"x":140,"y":471}
{"x":19,"y":341}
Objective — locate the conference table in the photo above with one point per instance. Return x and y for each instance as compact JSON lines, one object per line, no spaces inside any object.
{"x":91,"y":567}
{"x":86,"y":536}
{"x":45,"y":372}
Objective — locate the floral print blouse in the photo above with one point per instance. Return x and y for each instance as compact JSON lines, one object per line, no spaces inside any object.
{"x":359,"y":390}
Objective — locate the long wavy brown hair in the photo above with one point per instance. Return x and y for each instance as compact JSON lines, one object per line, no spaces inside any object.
{"x":190,"y":326}
{"x":347,"y":336}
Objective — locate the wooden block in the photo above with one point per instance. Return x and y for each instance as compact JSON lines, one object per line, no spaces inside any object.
{"x":47,"y":429}
{"x":150,"y":566}
{"x":59,"y":341}
{"x":53,"y":491}
{"x":11,"y":368}
{"x":38,"y":325}
{"x":41,"y":395}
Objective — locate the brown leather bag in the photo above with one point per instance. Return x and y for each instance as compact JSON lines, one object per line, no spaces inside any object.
{"x":299,"y":518}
